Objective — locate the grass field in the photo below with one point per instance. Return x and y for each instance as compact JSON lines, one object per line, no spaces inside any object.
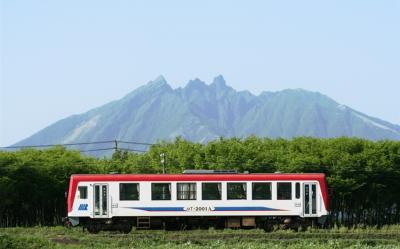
{"x":60,"y":237}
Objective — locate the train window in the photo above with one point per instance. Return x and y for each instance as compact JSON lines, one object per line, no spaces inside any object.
{"x":284,"y":191}
{"x":129,"y":191}
{"x":186,"y":191}
{"x":82,"y":192}
{"x":211,"y":191}
{"x":297,"y":190}
{"x":262,"y":190}
{"x":313,"y":199}
{"x":236,"y":190}
{"x":161,"y":191}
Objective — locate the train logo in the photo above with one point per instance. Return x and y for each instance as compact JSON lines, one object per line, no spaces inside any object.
{"x":83,"y":207}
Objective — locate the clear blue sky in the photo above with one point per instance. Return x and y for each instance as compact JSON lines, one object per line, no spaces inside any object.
{"x":60,"y":58}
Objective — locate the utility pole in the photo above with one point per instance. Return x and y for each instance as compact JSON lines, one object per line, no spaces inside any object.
{"x":116,"y":145}
{"x":162,"y":157}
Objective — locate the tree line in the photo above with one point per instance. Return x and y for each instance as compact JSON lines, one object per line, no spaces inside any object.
{"x":363,"y":175}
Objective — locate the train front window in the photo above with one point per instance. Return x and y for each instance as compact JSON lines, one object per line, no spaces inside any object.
{"x":211,"y":191}
{"x":186,"y":191}
{"x":284,"y":191}
{"x":262,"y":190}
{"x":82,"y":192}
{"x":236,"y":190}
{"x":161,"y":191}
{"x":129,"y":191}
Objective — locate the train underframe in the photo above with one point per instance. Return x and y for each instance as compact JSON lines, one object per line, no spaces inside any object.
{"x":268,"y":223}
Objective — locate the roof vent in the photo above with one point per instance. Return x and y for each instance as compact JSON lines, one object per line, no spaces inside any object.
{"x":210,"y":171}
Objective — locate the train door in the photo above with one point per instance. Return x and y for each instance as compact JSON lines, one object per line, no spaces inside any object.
{"x":309,"y":199}
{"x":100,"y":200}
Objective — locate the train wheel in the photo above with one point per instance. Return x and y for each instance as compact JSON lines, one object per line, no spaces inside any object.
{"x":268,"y":227}
{"x":127,"y":228}
{"x":302,"y":227}
{"x":68,"y":224}
{"x":93,"y":228}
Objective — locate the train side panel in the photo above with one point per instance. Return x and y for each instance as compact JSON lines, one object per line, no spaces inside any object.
{"x":83,"y":202}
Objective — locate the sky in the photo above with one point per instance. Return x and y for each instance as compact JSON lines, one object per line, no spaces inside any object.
{"x":60,"y":58}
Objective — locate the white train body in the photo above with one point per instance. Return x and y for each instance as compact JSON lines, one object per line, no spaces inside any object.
{"x":197,"y":195}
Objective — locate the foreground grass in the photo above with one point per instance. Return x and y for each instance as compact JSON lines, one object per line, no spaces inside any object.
{"x":59,"y":237}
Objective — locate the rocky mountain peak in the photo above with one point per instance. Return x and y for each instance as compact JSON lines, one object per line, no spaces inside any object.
{"x":200,"y":112}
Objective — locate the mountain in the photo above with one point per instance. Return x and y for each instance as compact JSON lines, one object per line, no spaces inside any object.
{"x":201,"y":112}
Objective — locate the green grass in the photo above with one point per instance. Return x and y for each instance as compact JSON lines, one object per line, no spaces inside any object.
{"x":60,"y":237}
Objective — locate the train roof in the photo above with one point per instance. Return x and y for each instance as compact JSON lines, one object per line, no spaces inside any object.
{"x":200,"y":177}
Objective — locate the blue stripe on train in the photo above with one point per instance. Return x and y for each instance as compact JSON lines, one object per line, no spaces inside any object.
{"x":180,"y":209}
{"x":159,"y":209}
{"x":246,"y":209}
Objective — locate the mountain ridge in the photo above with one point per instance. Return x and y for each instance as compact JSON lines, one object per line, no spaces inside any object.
{"x":202,"y":112}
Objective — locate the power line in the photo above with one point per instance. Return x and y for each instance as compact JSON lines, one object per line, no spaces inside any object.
{"x":112,"y":148}
{"x":73,"y":144}
{"x":139,"y":143}
{"x":97,"y":149}
{"x":52,"y":145}
{"x":85,"y":143}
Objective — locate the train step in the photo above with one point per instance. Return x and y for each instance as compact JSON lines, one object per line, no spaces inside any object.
{"x":143,"y":222}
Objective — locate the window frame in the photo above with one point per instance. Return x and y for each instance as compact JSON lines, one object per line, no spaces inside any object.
{"x":178,"y":192}
{"x":208,"y":199}
{"x":230,"y":193}
{"x":290,"y":192}
{"x":264,"y":199}
{"x":85,"y":188}
{"x":137,"y":188}
{"x":159,"y":183}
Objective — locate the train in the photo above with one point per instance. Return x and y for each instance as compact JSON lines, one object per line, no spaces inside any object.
{"x":197,"y":199}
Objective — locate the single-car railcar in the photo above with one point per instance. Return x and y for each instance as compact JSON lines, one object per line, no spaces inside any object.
{"x":179,"y":201}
